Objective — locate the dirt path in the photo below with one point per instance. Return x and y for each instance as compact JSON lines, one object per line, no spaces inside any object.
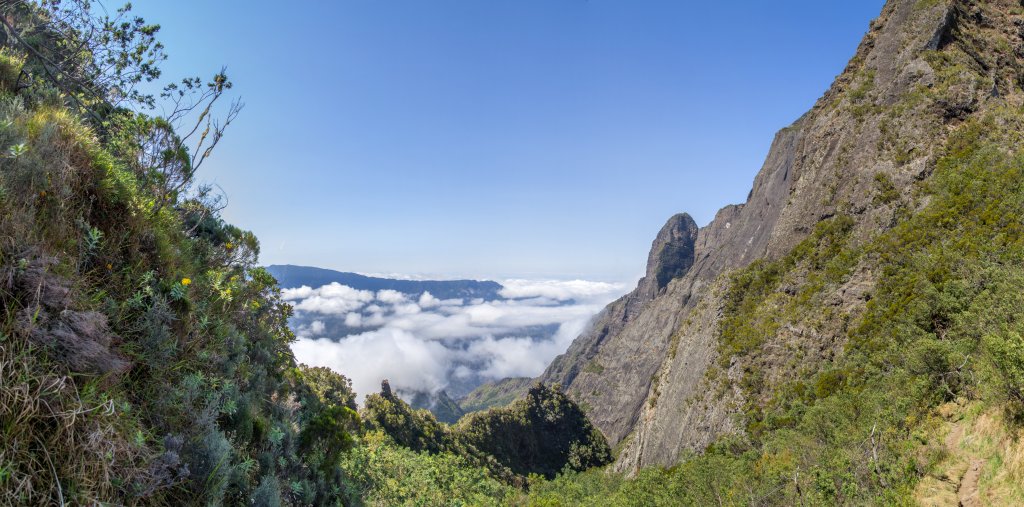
{"x":967,"y":492}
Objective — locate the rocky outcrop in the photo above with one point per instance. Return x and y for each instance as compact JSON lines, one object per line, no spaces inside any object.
{"x":671,"y":255}
{"x":616,"y":331}
{"x":641,"y":369}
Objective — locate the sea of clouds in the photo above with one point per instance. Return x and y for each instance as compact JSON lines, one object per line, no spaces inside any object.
{"x":422,"y":343}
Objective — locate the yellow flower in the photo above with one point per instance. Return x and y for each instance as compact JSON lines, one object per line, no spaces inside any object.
{"x":229,"y":245}
{"x":110,"y":266}
{"x":186,"y":281}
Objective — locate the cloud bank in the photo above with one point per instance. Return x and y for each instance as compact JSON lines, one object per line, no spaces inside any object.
{"x":421,"y":343}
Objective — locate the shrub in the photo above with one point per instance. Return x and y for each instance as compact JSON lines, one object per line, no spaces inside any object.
{"x":11,"y":64}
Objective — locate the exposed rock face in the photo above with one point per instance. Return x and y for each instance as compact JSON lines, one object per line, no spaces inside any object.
{"x":672,"y":256}
{"x":640,"y":371}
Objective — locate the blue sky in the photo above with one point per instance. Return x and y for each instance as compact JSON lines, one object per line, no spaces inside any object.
{"x":498,"y":138}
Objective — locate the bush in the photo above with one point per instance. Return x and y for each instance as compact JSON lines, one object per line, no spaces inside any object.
{"x":10,"y":69}
{"x":1007,"y":352}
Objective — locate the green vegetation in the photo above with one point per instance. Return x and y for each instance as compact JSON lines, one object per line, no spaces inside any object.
{"x":754,"y":305}
{"x":387,"y":475}
{"x":444,"y":408}
{"x":543,"y":433}
{"x":594,"y":367}
{"x":144,"y":356}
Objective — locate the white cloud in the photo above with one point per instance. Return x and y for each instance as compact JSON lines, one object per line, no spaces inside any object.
{"x":354,"y":319}
{"x":423,"y":343}
{"x":427,"y":300}
{"x":407,"y":309}
{"x":338,"y":291}
{"x":375,"y":319}
{"x":392,"y":297}
{"x":297,"y":293}
{"x":557,"y":289}
{"x":333,"y":299}
{"x":327,"y":306}
{"x":405,"y":360}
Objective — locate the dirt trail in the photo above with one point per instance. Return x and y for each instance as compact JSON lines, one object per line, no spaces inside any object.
{"x":967,"y":492}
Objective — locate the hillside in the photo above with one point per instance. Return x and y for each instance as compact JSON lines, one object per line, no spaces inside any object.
{"x":850,"y":335}
{"x":144,"y":355}
{"x":816,"y":330}
{"x":495,"y":394}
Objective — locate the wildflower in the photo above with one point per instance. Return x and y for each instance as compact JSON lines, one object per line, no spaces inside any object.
{"x":229,"y":245}
{"x":110,"y":266}
{"x":186,"y":281}
{"x":42,"y":193}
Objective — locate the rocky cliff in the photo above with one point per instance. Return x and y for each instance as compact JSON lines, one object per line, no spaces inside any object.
{"x":651,"y":369}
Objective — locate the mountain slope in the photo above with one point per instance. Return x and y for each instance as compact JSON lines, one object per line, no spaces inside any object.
{"x":495,"y":394}
{"x":666,"y":376}
{"x":289,"y":276}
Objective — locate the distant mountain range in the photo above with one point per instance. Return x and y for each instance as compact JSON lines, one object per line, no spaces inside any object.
{"x":289,"y":276}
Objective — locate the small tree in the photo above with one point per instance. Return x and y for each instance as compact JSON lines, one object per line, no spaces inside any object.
{"x":96,"y":59}
{"x":101,"y":63}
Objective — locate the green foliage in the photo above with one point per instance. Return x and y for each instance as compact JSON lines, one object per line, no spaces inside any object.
{"x":11,"y":64}
{"x":329,"y":433}
{"x":1008,"y":356}
{"x":751,"y":305}
{"x":210,"y":407}
{"x":388,"y":475}
{"x":331,"y":388}
{"x":17,"y":150}
{"x":543,"y":433}
{"x":415,"y":429}
{"x":439,"y":404}
{"x":594,"y":367}
{"x":95,"y":58}
{"x":885,"y":190}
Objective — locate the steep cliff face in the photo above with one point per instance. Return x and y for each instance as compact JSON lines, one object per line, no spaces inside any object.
{"x":616,"y":332}
{"x":651,"y":369}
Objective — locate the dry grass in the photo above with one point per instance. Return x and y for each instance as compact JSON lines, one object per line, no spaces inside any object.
{"x":64,"y":440}
{"x":55,"y":447}
{"x":975,"y":434}
{"x":1002,"y":479}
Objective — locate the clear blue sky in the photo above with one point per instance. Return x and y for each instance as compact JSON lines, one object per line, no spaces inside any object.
{"x":498,"y":138}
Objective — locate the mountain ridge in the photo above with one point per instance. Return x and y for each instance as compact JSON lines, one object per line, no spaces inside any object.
{"x":292,"y":276}
{"x":643,"y":372}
